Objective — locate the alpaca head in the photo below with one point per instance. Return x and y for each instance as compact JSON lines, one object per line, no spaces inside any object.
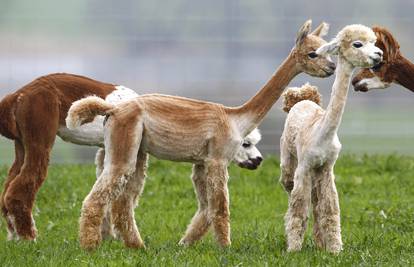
{"x":382,"y":75}
{"x":307,"y":43}
{"x":355,"y":44}
{"x":249,"y":156}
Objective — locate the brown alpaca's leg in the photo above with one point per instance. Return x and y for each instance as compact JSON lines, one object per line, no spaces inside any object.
{"x":21,"y":194}
{"x":123,"y":206}
{"x":13,"y":172}
{"x":38,"y":122}
{"x":122,"y":140}
{"x":199,"y":224}
{"x":218,"y":200}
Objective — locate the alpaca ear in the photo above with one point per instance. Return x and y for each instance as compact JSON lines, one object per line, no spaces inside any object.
{"x":321,"y":30}
{"x":303,"y":32}
{"x":386,"y":42}
{"x":331,"y":48}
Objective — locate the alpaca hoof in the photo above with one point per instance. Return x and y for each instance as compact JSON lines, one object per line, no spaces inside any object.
{"x":90,"y":242}
{"x":294,"y":248}
{"x":185,"y":243}
{"x":336,"y":249}
{"x":225,"y":243}
{"x":136,"y":244}
{"x":27,"y":235}
{"x":89,"y":245}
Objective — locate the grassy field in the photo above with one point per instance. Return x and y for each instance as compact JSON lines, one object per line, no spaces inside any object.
{"x":377,"y":206}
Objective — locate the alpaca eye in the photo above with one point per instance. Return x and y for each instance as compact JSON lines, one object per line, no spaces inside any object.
{"x":246,"y":145}
{"x":357,"y":44}
{"x":312,"y":54}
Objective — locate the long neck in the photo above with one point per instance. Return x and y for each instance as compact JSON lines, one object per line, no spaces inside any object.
{"x":333,"y":115}
{"x":405,"y":73}
{"x":250,"y":114}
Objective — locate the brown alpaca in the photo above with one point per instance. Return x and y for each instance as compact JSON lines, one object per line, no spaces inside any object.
{"x":181,"y":129}
{"x":394,"y":68}
{"x":32,"y":117}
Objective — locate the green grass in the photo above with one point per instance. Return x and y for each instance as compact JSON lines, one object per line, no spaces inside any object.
{"x":369,"y":186}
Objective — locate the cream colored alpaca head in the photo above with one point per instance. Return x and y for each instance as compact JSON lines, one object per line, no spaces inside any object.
{"x":307,"y":43}
{"x":355,"y":43}
{"x":248,"y":156}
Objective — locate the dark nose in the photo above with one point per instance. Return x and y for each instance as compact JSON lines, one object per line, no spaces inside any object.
{"x":332,"y":66}
{"x":379,"y":53}
{"x":258,"y":160}
{"x":355,"y":80}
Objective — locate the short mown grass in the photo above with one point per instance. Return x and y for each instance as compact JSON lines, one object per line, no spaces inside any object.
{"x":377,"y":214}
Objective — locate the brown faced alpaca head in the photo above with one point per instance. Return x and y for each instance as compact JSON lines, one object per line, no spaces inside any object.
{"x":382,"y":75}
{"x":307,"y":43}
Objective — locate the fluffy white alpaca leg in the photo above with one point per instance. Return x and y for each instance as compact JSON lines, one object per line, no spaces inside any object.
{"x":199,"y":224}
{"x":121,"y":148}
{"x":316,"y":195}
{"x":297,"y":215}
{"x":329,"y":214}
{"x":218,"y":200}
{"x":123,"y":207}
{"x":288,"y":165}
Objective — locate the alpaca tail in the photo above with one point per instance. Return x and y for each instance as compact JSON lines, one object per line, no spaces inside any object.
{"x":85,"y":110}
{"x":294,"y":95}
{"x":8,"y":124}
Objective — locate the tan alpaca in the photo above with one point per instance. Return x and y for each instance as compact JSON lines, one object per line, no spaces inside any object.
{"x":310,"y":145}
{"x":247,"y":156}
{"x":181,"y":129}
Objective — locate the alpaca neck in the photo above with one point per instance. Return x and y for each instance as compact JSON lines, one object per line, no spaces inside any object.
{"x":336,"y":106}
{"x":405,"y":73}
{"x":251,"y":114}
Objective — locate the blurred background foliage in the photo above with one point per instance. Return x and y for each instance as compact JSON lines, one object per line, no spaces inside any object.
{"x":221,"y":51}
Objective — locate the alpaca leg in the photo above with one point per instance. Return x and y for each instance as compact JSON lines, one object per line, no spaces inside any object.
{"x":287,"y":166}
{"x":297,"y":215}
{"x":121,"y":148}
{"x":106,"y":229}
{"x":218,"y":200}
{"x":123,"y":206}
{"x":13,"y":172}
{"x":329,"y":214}
{"x":20,"y":195}
{"x":317,"y":230}
{"x":38,"y":136}
{"x":199,"y":224}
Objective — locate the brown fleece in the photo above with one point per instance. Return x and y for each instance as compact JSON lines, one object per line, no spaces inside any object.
{"x":294,"y":95}
{"x":31,"y":117}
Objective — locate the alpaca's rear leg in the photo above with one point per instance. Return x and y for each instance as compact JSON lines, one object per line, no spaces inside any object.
{"x":218,"y":200}
{"x":20,"y":196}
{"x":13,"y":172}
{"x":297,"y":215}
{"x":287,"y":169}
{"x":199,"y":224}
{"x":38,"y":136}
{"x":123,"y":134}
{"x":329,"y":214}
{"x":106,"y":229}
{"x":123,"y":206}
